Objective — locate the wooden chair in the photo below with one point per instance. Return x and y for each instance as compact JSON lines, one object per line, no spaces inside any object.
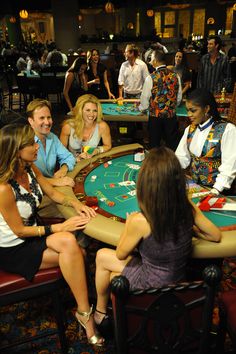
{"x":14,"y":288}
{"x":10,"y":89}
{"x":29,"y":87}
{"x":168,"y":320}
{"x":51,"y":84}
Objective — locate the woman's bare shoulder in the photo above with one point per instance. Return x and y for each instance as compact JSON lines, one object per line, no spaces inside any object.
{"x":139,"y":221}
{"x":5,"y":188}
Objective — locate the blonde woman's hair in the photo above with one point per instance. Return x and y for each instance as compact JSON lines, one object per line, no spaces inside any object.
{"x":13,"y":138}
{"x":77,"y":121}
{"x":35,"y":104}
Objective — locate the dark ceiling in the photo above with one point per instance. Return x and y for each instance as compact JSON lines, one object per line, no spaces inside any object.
{"x":13,"y":6}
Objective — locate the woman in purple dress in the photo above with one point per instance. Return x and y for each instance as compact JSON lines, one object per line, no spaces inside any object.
{"x":161,"y":232}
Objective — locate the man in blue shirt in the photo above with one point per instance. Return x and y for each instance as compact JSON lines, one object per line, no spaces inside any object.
{"x":52,"y":153}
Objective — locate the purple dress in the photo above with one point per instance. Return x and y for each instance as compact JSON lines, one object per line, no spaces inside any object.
{"x":159,"y":264}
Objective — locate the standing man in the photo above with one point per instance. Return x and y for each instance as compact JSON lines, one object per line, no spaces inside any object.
{"x":132,"y":75}
{"x":161,"y":94}
{"x":214,"y":73}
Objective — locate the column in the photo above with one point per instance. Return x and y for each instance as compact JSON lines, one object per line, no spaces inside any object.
{"x":66,"y":24}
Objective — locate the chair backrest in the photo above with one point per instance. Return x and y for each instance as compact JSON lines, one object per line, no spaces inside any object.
{"x":50,"y":84}
{"x":168,"y":320}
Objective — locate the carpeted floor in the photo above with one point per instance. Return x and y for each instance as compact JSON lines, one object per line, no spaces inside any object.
{"x":35,"y":317}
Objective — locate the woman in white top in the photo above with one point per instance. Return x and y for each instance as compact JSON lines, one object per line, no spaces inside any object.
{"x":82,"y":133}
{"x":208,"y":145}
{"x":26,"y":247}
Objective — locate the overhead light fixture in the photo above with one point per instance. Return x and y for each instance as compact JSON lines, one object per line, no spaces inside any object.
{"x":150,"y":13}
{"x":210,"y":21}
{"x":24,"y":14}
{"x":130,"y":26}
{"x":109,"y":8}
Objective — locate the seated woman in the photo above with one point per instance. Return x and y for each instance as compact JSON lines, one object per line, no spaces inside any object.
{"x":180,"y":67}
{"x":162,"y":231}
{"x":75,"y":82}
{"x":25,"y":247}
{"x":97,"y":76}
{"x":86,"y":128}
{"x":208,"y":145}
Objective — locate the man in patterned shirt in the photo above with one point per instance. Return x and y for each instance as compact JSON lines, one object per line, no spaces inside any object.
{"x":161,"y":93}
{"x":214,"y":73}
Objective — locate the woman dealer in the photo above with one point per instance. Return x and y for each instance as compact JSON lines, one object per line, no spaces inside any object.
{"x":208,"y":145}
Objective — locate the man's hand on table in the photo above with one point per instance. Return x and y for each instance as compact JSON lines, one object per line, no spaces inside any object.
{"x":64,"y":181}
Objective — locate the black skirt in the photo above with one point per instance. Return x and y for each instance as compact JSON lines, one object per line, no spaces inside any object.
{"x":23,"y":259}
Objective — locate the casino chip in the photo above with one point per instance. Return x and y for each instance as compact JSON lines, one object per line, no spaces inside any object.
{"x":111,"y":204}
{"x":105,"y":164}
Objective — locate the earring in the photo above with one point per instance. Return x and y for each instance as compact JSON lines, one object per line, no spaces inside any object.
{"x":207,"y":116}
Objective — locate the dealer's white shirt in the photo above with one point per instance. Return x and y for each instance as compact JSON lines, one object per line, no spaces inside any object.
{"x":227,"y":169}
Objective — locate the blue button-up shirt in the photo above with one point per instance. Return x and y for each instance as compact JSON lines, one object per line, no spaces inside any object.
{"x":55,"y":153}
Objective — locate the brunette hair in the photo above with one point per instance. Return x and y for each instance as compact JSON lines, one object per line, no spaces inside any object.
{"x":162,"y":196}
{"x":183,"y":61}
{"x":159,"y":55}
{"x":13,"y":138}
{"x":133,"y":48}
{"x":203,"y":98}
{"x":75,"y":67}
{"x":217,"y":40}
{"x":77,"y":121}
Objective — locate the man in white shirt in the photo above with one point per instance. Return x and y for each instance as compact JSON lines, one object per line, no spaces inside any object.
{"x":161,"y":93}
{"x":132,"y":75}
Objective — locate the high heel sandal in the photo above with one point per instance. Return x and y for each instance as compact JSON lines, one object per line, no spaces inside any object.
{"x":94,"y":340}
{"x":105,"y":327}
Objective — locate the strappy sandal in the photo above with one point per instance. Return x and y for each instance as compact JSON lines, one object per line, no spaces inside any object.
{"x":105,"y":327}
{"x":94,"y":340}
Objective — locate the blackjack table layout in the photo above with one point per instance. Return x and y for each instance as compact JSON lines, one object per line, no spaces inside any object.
{"x":127,"y":111}
{"x":107,"y":183}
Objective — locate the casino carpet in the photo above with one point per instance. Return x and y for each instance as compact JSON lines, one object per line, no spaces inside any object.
{"x":35,"y":317}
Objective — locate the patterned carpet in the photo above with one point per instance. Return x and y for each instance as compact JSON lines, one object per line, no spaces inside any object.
{"x":35,"y":317}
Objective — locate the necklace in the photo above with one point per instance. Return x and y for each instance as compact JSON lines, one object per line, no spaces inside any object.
{"x":23,"y":180}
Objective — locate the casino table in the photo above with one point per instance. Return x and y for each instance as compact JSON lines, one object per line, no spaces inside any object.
{"x":128,"y":112}
{"x":108,"y":225}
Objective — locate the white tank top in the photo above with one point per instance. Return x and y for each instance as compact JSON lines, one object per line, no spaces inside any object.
{"x":76,"y":144}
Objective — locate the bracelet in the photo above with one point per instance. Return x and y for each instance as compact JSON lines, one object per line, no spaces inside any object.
{"x":47,"y":230}
{"x":39,"y":231}
{"x":67,"y":201}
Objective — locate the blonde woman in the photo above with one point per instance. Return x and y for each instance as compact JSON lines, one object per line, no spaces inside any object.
{"x":85,"y":129}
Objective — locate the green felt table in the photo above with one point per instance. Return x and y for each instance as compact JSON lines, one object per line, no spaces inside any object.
{"x":129,"y":112}
{"x":108,"y":225}
{"x":115,"y":188}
